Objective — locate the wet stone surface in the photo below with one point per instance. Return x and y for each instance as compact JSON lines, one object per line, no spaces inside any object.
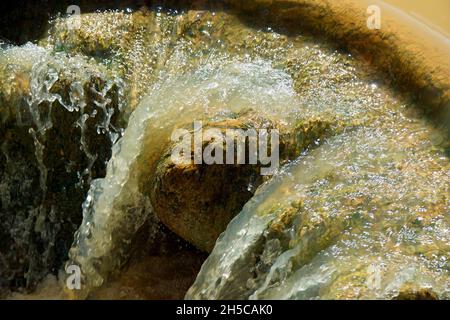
{"x":358,"y":208}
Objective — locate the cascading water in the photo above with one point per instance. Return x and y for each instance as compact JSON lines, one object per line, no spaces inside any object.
{"x":46,"y":104}
{"x":354,"y":218}
{"x":365,"y":195}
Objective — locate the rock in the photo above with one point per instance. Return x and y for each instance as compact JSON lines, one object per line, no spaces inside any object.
{"x":59,"y":117}
{"x":328,"y":227}
{"x":197,"y":201}
{"x":410,"y":293}
{"x":349,"y":219}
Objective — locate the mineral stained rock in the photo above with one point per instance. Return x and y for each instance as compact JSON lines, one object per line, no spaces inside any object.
{"x":119,"y":203}
{"x":203,"y":67}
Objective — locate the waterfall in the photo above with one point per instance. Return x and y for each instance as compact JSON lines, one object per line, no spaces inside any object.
{"x":118,"y":204}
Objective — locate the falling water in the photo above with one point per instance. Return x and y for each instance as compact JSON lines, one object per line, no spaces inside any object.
{"x":358,"y":212}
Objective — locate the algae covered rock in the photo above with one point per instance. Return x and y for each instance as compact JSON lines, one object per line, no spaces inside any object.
{"x":361,"y":213}
{"x":119,"y":203}
{"x":409,"y":292}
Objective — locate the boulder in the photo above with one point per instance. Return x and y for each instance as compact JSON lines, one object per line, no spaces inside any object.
{"x":59,"y":118}
{"x":197,"y":201}
{"x":344,"y":221}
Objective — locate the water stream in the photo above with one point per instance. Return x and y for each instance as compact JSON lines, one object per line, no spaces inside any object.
{"x":360,"y":208}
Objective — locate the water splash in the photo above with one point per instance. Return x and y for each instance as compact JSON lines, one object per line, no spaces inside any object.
{"x":363,"y":216}
{"x":47,"y":99}
{"x":326,"y":221}
{"x":119,"y":204}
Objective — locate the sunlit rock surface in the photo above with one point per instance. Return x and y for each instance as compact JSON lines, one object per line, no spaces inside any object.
{"x":281,"y":78}
{"x":118,"y":204}
{"x":364,"y":216}
{"x":191,"y":199}
{"x":59,"y":119}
